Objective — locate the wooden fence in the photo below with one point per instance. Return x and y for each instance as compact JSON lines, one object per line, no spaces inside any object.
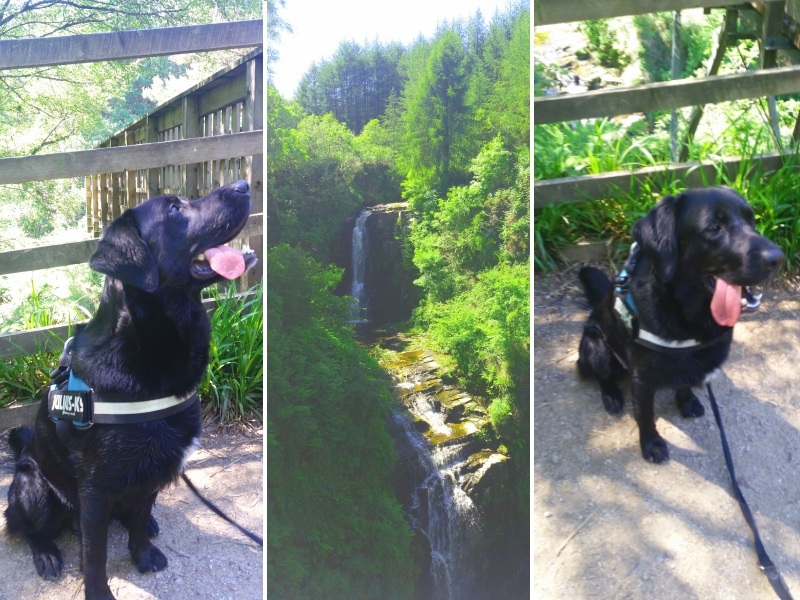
{"x":219,"y":139}
{"x":777,"y":30}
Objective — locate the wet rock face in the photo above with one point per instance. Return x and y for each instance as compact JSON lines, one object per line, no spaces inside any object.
{"x":442,"y":427}
{"x":390,"y":293}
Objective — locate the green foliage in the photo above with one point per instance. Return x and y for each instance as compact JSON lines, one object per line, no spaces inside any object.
{"x":436,"y":114}
{"x":655,"y":37}
{"x":336,"y":530}
{"x":233,"y":386}
{"x":355,"y":84}
{"x":319,"y":173}
{"x":471,"y":250}
{"x":603,"y":44}
{"x":26,"y":376}
{"x":475,"y":226}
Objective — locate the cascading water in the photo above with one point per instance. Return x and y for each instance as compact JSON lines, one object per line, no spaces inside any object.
{"x":358,"y":309}
{"x":440,"y":509}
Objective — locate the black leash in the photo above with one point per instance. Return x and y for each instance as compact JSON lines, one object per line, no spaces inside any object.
{"x":769,"y":568}
{"x":221,"y":514}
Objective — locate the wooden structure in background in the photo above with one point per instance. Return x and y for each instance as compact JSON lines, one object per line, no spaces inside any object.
{"x":209,"y":135}
{"x":773,"y":22}
{"x":228,"y":102}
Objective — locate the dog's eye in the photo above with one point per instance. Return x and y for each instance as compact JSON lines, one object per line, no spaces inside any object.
{"x":715,"y":228}
{"x":173,"y":208}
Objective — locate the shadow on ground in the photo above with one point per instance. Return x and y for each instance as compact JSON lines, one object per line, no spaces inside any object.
{"x":208,"y":558}
{"x":609,"y":525}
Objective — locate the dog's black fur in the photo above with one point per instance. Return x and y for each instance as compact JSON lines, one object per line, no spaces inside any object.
{"x":686,"y":242}
{"x":149,"y":338}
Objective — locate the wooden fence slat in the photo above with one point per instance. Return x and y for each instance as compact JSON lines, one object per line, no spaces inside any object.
{"x":666,"y":95}
{"x":43,"y":167}
{"x":74,"y":253}
{"x":51,"y":339}
{"x":617,"y":184}
{"x":139,"y":43}
{"x":551,"y":12}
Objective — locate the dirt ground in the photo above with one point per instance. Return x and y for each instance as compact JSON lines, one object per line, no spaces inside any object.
{"x":608,"y":525}
{"x":208,"y":558}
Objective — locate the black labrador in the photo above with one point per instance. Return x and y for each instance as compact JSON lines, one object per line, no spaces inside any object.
{"x":137,"y":363}
{"x":668,"y":317}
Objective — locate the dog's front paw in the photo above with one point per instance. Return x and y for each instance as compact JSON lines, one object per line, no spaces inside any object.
{"x":152,"y":527}
{"x":655,"y":450}
{"x":48,"y":560}
{"x":690,"y":406}
{"x":149,"y":559}
{"x":613,"y":403}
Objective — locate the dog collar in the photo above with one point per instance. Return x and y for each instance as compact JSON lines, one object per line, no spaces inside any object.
{"x":83,"y":406}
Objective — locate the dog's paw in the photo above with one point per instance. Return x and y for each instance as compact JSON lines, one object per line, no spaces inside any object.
{"x":48,"y":560}
{"x":655,"y":450}
{"x":102,"y":593}
{"x":613,"y":403}
{"x":690,"y":407}
{"x":152,"y":527}
{"x":149,"y":559}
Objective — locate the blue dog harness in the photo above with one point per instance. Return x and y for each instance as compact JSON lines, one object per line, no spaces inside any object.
{"x":71,"y":401}
{"x":625,"y":309}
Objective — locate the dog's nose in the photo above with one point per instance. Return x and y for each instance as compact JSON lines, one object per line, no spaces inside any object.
{"x":241,"y":186}
{"x":773,"y":257}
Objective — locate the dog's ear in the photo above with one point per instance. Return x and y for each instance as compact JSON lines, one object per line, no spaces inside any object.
{"x":123,"y":254}
{"x":655,"y":233}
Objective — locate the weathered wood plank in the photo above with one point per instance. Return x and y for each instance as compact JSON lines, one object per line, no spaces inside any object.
{"x":51,"y":339}
{"x":73,"y":253}
{"x":621,"y":183}
{"x":666,"y":95}
{"x":140,"y":43}
{"x":15,"y":416}
{"x":551,"y":12}
{"x":44,"y":167}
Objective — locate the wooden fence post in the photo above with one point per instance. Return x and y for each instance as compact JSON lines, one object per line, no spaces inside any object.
{"x":191,"y":129}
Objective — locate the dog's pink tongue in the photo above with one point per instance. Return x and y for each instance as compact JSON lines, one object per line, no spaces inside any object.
{"x":225,"y":261}
{"x":726,"y":305}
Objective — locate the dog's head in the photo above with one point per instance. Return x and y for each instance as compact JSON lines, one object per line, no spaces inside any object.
{"x":708,"y":235}
{"x":168,"y":241}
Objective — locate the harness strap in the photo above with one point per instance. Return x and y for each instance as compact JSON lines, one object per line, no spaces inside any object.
{"x":71,"y":401}
{"x":769,"y":568}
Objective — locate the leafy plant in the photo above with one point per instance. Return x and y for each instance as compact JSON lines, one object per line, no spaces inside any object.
{"x":233,"y":386}
{"x":603,"y":43}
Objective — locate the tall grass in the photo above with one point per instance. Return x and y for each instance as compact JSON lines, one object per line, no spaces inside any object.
{"x":234,"y":382}
{"x":773,"y":194}
{"x":233,"y":387}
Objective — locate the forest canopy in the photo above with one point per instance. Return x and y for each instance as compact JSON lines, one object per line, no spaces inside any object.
{"x":442,"y":124}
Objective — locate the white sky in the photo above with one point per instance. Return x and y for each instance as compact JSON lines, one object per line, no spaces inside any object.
{"x":318,"y":26}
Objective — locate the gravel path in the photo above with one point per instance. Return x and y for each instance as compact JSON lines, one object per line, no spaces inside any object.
{"x":208,"y":559}
{"x":608,"y":525}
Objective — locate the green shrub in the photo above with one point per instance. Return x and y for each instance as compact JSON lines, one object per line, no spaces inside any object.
{"x":603,"y":44}
{"x":233,"y":386}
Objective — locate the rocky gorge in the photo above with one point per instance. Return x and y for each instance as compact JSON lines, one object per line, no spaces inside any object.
{"x":454,"y":478}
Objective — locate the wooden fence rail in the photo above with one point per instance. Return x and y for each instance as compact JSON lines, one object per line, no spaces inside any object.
{"x":618,"y":184}
{"x":219,"y":126}
{"x":75,"y":253}
{"x":666,"y":95}
{"x":552,"y":12}
{"x":43,"y":167}
{"x":773,"y":28}
{"x":118,"y":45}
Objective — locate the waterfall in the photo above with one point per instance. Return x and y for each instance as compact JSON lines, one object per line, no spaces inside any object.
{"x":358,"y":310}
{"x":441,"y":509}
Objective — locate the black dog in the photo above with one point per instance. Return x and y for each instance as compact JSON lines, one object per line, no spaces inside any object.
{"x":141,"y":356}
{"x":668,"y":318}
